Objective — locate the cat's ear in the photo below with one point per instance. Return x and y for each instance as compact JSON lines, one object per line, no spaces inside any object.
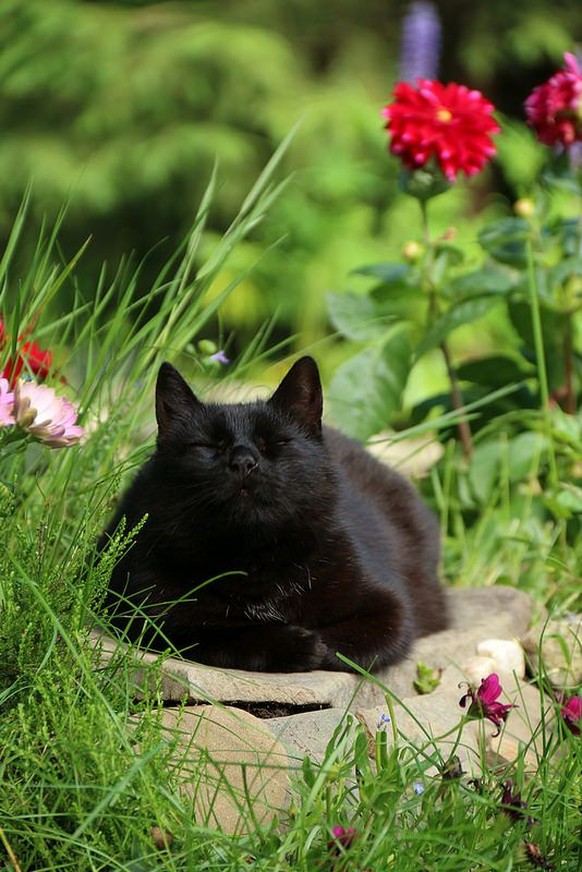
{"x":300,"y":394}
{"x":175,"y":401}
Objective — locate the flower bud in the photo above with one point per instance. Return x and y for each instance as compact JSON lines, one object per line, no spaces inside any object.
{"x":412,"y":251}
{"x":207,"y":347}
{"x":524,"y":207}
{"x":424,"y":182}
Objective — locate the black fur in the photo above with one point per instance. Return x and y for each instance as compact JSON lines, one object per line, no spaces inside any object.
{"x":271,"y":542}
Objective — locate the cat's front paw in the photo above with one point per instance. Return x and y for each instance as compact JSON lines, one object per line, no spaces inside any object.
{"x":300,"y":650}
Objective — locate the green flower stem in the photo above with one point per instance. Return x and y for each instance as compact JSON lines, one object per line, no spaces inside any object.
{"x":570,"y":398}
{"x":541,"y":359}
{"x":465,"y":435}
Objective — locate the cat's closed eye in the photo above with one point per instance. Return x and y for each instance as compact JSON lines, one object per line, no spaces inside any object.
{"x":271,"y":444}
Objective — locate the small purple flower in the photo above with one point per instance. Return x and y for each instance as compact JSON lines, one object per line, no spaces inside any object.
{"x":418,"y":788}
{"x":383,"y":722}
{"x":219,"y":357}
{"x":484,"y":702}
{"x":421,"y":39}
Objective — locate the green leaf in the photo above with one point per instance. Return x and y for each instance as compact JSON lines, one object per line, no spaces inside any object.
{"x":459,"y":314}
{"x":484,"y":469}
{"x":495,"y":370}
{"x":367,"y":390}
{"x":388,"y":273}
{"x":358,"y":316}
{"x":523,"y":455}
{"x":568,"y":267}
{"x":554,"y":326}
{"x":427,"y":678}
{"x":505,"y":240}
{"x":488,"y":280}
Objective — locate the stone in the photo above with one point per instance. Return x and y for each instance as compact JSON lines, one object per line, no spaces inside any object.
{"x":309,"y":733}
{"x":507,"y":656}
{"x":475,"y":669}
{"x":234,"y":770}
{"x":473,"y":614}
{"x":560,"y":642}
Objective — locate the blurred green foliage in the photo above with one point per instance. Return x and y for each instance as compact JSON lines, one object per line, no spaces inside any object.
{"x":121,"y":109}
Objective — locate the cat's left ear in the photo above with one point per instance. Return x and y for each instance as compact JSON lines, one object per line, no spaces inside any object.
{"x":175,"y":401}
{"x":300,"y":394}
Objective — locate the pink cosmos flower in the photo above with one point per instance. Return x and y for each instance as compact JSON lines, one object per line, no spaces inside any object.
{"x":554,"y":109}
{"x":484,"y":701}
{"x":49,"y":418}
{"x":572,"y":714}
{"x":448,"y":123}
{"x":6,"y":404}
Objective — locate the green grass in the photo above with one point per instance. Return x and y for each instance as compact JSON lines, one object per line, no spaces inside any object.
{"x":86,"y":766}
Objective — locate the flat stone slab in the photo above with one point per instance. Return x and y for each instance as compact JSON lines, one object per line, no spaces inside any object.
{"x":476,"y":615}
{"x":229,"y":765}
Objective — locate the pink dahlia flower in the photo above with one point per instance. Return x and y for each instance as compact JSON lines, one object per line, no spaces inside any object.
{"x":6,"y":404}
{"x":554,"y":109}
{"x":46,"y":416}
{"x":484,"y":701}
{"x":448,"y":123}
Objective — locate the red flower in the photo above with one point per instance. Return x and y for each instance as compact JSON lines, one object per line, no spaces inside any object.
{"x":484,"y":701}
{"x":572,"y":714}
{"x":554,"y":109}
{"x":449,"y":123}
{"x":30,"y":355}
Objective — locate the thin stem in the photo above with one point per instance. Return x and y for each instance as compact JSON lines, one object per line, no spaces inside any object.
{"x":465,"y":435}
{"x":570,"y":398}
{"x":541,"y":358}
{"x":9,"y":851}
{"x":463,"y":427}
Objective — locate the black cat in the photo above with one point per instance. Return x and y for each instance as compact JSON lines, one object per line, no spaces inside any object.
{"x":271,"y":542}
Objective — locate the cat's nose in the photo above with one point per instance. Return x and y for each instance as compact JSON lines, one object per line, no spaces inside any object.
{"x":242,"y":460}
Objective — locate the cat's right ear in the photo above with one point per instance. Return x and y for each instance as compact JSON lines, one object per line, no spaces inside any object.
{"x":175,"y":401}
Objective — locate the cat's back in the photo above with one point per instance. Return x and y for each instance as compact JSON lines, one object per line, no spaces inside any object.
{"x":372,"y":490}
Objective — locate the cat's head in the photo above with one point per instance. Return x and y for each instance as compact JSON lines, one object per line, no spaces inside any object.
{"x":260,"y":463}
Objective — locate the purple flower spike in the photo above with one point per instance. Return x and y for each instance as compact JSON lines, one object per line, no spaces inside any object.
{"x":421,"y":42}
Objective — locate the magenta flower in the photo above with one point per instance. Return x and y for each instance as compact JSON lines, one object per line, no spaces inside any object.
{"x":554,"y":109}
{"x":484,"y":701}
{"x":572,"y":714}
{"x":46,"y":416}
{"x":6,"y":404}
{"x":513,"y":805}
{"x":342,"y":838}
